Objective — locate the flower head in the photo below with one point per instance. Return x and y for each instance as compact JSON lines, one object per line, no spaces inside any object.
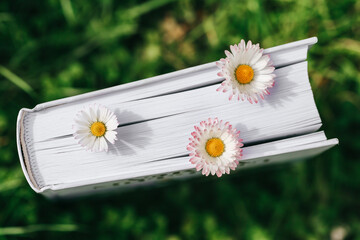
{"x":248,"y":73}
{"x":215,"y":147}
{"x":93,"y":125}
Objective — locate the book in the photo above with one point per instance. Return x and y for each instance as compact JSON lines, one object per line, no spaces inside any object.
{"x":156,"y":118}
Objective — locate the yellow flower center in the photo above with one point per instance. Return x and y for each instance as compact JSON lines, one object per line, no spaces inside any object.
{"x":215,"y":147}
{"x":98,"y":129}
{"x":244,"y":74}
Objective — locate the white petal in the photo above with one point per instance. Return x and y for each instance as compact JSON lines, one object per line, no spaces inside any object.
{"x":80,"y":127}
{"x":92,"y":113}
{"x":112,"y":124}
{"x":249,"y":44}
{"x":263,"y":61}
{"x":85,"y":116}
{"x":110,"y":136}
{"x":255,"y":58}
{"x":82,"y":135}
{"x":82,"y":121}
{"x":264,"y":78}
{"x":88,"y":142}
{"x":267,"y":70}
{"x":103,"y":144}
{"x":83,"y":130}
{"x":96,"y":146}
{"x":102,"y":114}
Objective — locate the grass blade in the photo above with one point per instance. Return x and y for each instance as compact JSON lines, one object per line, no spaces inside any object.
{"x":38,"y":228}
{"x":145,"y":8}
{"x":68,"y":11}
{"x":16,"y":80}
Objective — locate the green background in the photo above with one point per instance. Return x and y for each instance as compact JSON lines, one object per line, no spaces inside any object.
{"x":58,"y":48}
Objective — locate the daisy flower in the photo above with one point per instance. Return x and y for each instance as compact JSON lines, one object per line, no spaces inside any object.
{"x":248,"y":73}
{"x":215,"y":147}
{"x":93,"y":125}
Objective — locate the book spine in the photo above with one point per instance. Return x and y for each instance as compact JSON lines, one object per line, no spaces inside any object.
{"x":26,"y":152}
{"x":23,"y":150}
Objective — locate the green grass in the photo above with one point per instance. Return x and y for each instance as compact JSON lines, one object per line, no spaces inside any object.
{"x":54,"y":49}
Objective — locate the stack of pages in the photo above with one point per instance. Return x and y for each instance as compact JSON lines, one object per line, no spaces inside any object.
{"x":156,"y":118}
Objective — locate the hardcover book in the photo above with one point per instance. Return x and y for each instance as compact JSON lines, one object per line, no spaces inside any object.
{"x":156,"y":116}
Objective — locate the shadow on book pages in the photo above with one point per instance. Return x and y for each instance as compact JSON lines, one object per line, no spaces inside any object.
{"x":156,"y":117}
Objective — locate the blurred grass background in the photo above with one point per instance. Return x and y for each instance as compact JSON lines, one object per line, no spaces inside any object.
{"x":58,"y":48}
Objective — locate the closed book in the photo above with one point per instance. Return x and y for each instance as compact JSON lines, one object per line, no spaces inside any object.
{"x":157,"y":115}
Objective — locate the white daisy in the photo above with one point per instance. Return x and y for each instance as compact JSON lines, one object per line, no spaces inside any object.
{"x":215,"y":147}
{"x":248,"y":73}
{"x":93,"y":125}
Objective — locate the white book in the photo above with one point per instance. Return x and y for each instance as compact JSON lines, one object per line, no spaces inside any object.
{"x":156,"y":118}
